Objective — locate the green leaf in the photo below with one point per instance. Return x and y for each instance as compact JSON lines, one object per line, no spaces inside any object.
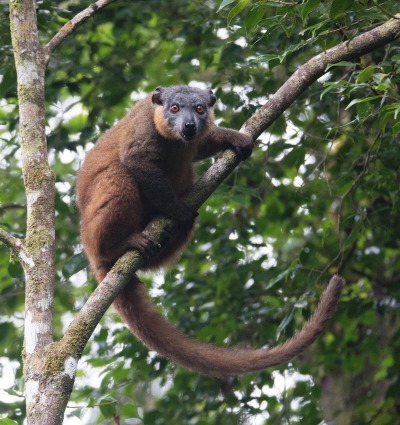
{"x":365,"y":74}
{"x":295,"y":158}
{"x":384,"y":85}
{"x":286,"y":320}
{"x":237,"y":9}
{"x":367,"y":99}
{"x":77,"y":413}
{"x":337,"y":86}
{"x":7,"y":83}
{"x":76,"y":123}
{"x":7,"y":421}
{"x":267,"y":58}
{"x":129,"y":410}
{"x":341,"y":63}
{"x":339,"y":7}
{"x":387,"y":113}
{"x":281,"y":276}
{"x":92,"y":402}
{"x":383,"y":419}
{"x":15,"y":269}
{"x":108,"y":407}
{"x":396,"y":129}
{"x":225,"y":3}
{"x":309,"y":7}
{"x":253,"y":18}
{"x":74,"y":265}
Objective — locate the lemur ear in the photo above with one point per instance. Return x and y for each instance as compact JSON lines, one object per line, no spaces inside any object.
{"x":156,"y":98}
{"x":213,"y":99}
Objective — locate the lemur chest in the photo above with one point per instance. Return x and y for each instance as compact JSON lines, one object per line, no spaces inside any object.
{"x":179,"y":169}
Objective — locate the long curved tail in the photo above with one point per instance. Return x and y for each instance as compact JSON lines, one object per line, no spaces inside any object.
{"x":156,"y":333}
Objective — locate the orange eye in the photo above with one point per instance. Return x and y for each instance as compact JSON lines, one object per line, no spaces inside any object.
{"x":175,"y":108}
{"x":200,"y":109}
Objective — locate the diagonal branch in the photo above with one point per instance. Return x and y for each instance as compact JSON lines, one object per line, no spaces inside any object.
{"x":315,"y":68}
{"x":74,"y":23}
{"x":83,"y":325}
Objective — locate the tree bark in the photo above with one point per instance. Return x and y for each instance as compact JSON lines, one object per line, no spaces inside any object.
{"x":40,"y":189}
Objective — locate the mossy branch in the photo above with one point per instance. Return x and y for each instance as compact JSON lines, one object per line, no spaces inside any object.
{"x":130,"y":262}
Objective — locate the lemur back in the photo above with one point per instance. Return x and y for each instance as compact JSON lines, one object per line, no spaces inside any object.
{"x":141,"y":168}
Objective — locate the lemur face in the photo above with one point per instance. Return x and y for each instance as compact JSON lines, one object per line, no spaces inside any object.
{"x":187,"y":111}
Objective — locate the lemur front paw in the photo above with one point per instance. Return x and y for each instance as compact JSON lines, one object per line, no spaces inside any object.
{"x":242,"y":145}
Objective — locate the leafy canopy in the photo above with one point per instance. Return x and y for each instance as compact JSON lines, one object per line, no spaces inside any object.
{"x":320,"y":192}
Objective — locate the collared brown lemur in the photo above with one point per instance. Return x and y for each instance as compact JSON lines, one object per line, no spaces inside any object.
{"x":140,"y":168}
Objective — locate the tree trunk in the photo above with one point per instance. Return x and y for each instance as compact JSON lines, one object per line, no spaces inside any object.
{"x":44,"y":404}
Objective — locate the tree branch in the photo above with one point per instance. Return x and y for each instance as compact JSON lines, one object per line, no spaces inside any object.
{"x":126,"y":266}
{"x":74,"y":23}
{"x":15,"y":245}
{"x":315,"y":68}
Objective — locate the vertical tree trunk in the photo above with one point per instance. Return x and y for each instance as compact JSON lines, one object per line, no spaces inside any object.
{"x":40,"y":189}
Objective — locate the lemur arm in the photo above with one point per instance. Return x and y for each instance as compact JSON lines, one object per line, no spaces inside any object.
{"x":218,"y":139}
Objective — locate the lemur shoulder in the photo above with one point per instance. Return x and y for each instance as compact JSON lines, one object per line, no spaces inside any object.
{"x":140,"y":168}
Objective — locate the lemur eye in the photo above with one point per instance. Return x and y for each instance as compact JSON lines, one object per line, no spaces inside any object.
{"x":200,"y":109}
{"x":175,"y":108}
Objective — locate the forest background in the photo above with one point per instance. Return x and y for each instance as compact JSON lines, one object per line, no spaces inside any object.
{"x":319,"y":194}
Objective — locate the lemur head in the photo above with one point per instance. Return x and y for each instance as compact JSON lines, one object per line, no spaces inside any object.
{"x":182,"y":112}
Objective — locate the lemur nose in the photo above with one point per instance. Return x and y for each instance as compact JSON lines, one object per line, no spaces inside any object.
{"x":190,"y":126}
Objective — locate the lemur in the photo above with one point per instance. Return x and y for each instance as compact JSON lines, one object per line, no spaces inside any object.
{"x":140,"y":168}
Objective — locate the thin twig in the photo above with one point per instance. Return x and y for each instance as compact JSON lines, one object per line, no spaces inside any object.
{"x":74,"y":23}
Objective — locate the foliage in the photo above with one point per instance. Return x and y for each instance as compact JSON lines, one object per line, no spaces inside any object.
{"x":321,"y":192}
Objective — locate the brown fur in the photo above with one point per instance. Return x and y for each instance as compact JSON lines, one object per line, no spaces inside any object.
{"x":138,"y":169}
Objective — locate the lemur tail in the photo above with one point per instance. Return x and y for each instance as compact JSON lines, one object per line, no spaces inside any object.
{"x":156,"y":333}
